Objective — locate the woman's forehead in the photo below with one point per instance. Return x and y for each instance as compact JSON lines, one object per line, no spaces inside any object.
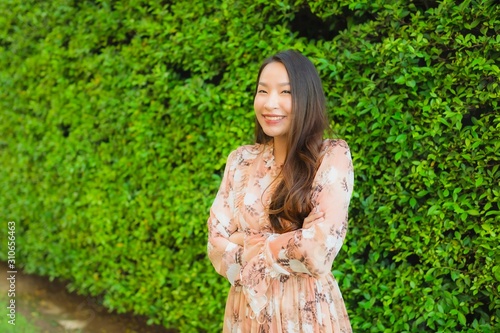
{"x":274,"y":73}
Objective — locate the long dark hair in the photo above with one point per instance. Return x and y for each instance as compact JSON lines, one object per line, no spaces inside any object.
{"x":291,"y":201}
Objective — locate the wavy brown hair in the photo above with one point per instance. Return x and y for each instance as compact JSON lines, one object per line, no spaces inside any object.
{"x":291,"y":201}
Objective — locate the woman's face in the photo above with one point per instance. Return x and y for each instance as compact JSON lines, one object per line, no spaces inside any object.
{"x":273,"y":101}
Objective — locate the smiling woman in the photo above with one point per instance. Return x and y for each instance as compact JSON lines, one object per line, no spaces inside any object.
{"x":273,"y":102}
{"x":280,"y":216}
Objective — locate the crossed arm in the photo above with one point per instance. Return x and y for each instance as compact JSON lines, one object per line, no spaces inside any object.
{"x":310,"y":250}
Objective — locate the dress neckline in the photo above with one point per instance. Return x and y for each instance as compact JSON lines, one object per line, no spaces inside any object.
{"x":268,"y":157}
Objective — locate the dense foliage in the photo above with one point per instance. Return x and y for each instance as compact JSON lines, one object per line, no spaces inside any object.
{"x":117,"y":117}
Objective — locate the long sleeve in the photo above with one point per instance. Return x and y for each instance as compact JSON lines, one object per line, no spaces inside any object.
{"x":312,"y":249}
{"x":224,"y":254}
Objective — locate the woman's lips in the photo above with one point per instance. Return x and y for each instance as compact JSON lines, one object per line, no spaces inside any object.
{"x":273,"y":119}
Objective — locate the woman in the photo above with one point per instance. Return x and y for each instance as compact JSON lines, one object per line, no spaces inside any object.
{"x":280,"y":216}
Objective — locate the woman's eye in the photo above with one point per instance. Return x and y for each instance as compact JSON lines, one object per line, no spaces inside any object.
{"x":286,"y":92}
{"x":261,"y":91}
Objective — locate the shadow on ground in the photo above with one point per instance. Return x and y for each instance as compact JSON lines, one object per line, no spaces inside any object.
{"x":44,"y":306}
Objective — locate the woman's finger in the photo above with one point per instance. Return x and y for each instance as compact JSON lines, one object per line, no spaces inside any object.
{"x":314,"y":217}
{"x":237,"y":238}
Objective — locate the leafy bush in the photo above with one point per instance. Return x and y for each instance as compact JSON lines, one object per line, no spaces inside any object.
{"x":117,"y":117}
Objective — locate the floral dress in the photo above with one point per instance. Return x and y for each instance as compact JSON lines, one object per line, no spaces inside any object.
{"x":280,"y":282}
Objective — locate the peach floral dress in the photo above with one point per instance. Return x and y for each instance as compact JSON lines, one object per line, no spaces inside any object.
{"x":280,"y":282}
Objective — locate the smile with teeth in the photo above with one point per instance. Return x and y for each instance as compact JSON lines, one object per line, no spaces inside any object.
{"x":274,"y":117}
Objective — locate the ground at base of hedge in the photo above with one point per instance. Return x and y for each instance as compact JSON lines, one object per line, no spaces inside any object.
{"x":46,"y":306}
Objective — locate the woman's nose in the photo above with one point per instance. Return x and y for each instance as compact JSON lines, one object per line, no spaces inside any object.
{"x":272,"y":102}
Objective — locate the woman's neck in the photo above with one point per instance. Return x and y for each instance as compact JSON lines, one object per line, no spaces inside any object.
{"x":279,"y":150}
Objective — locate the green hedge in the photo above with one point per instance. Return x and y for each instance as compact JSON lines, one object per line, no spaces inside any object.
{"x":117,"y":117}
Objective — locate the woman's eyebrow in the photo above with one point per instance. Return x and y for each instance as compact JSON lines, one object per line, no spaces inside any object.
{"x":280,"y":84}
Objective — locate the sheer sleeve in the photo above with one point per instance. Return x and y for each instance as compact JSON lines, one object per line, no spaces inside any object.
{"x":312,"y":249}
{"x":224,"y":254}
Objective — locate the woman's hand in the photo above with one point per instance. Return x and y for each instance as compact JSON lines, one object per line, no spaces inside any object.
{"x":252,"y":244}
{"x":237,"y":238}
{"x":313,"y":216}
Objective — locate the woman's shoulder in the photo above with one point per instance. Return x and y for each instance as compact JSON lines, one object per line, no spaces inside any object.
{"x":335,"y":160}
{"x":330,"y":145}
{"x":246,"y":152}
{"x":249,"y":150}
